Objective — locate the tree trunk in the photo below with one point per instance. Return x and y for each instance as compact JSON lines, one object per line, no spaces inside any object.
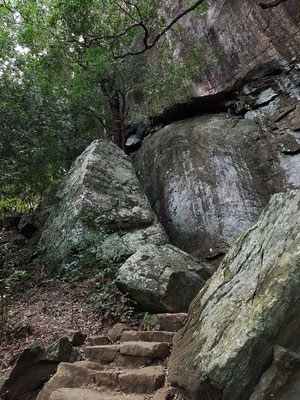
{"x":100,"y":130}
{"x":114,"y":102}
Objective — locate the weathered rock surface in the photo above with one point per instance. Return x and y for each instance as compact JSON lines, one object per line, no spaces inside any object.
{"x":115,"y":332}
{"x":34,"y":367}
{"x":208,"y":179}
{"x":88,"y":394}
{"x":30,"y":226}
{"x":272,"y":100}
{"x":251,"y":304}
{"x":69,"y":376}
{"x":167,"y":322}
{"x":282,"y":380}
{"x":148,"y":336}
{"x":76,"y":338}
{"x":27,"y":375}
{"x":162,"y":278}
{"x":22,"y":328}
{"x":243,"y":40}
{"x":100,"y":195}
{"x":61,"y":351}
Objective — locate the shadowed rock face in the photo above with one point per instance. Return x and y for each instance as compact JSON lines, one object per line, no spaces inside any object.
{"x":251,"y":304}
{"x":208,"y":179}
{"x":241,"y":38}
{"x":253,"y":61}
{"x":282,"y":380}
{"x":34,"y":367}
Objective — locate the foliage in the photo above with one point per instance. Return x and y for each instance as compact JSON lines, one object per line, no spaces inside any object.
{"x":11,"y":281}
{"x":63,"y":83}
{"x":145,"y":321}
{"x":38,"y":136}
{"x":13,"y":204}
{"x":108,"y":301}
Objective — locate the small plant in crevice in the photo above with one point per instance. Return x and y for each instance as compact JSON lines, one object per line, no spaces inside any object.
{"x":94,"y":224}
{"x":145,"y":321}
{"x":108,"y":301}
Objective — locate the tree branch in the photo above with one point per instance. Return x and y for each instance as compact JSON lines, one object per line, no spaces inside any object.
{"x":5,"y":5}
{"x":93,"y":113}
{"x":141,"y":22}
{"x":148,"y":45}
{"x":117,"y":36}
{"x":274,"y":3}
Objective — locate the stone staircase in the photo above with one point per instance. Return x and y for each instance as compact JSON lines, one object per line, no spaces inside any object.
{"x":133,"y":368}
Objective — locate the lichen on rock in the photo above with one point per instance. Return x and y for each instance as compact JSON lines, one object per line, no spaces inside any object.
{"x":250,"y":304}
{"x":162,"y":278}
{"x":100,"y":196}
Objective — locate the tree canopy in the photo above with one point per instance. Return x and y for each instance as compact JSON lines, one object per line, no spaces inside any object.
{"x":67,"y":69}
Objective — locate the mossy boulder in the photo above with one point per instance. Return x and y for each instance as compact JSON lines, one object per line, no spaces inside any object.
{"x":251,"y":304}
{"x":162,"y":278}
{"x":100,"y":196}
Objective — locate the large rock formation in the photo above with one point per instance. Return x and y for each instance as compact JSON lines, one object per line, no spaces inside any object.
{"x":102,"y":207}
{"x":251,"y":304}
{"x":271,"y":99}
{"x":100,"y":196}
{"x":205,"y":196}
{"x":208,"y":179}
{"x":241,"y":42}
{"x":241,"y":39}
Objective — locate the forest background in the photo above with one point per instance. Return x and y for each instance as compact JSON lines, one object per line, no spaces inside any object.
{"x":74,"y":71}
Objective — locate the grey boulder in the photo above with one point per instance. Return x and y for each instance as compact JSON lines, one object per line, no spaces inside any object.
{"x":162,"y":278}
{"x":34,"y":367}
{"x":100,"y":196}
{"x":208,"y":179}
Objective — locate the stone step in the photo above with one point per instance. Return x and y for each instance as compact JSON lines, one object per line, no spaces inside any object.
{"x":101,"y":340}
{"x":71,"y":375}
{"x":159,"y":350}
{"x":127,"y":350}
{"x":139,"y":380}
{"x":107,"y":378}
{"x":147,"y":336}
{"x":89,"y":394}
{"x":164,"y":393}
{"x":103,"y":354}
{"x":80,"y":373}
{"x":168,"y":322}
{"x":142,"y":380}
